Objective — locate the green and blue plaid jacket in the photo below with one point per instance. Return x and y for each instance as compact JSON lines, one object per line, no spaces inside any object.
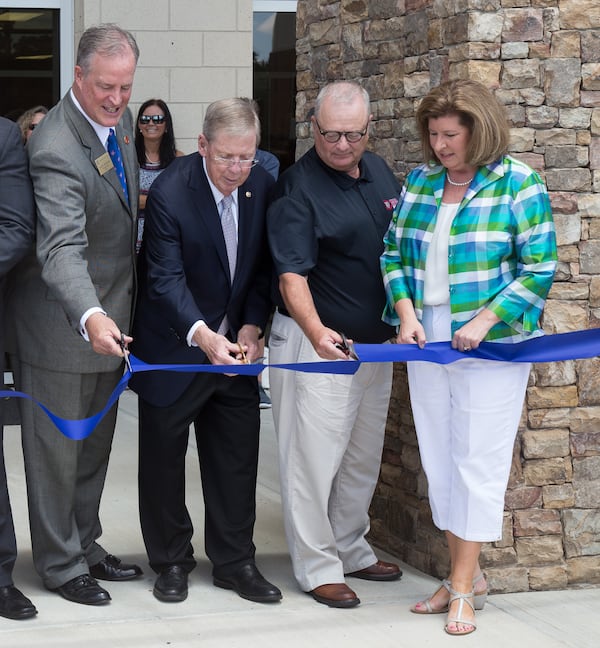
{"x":501,"y":253}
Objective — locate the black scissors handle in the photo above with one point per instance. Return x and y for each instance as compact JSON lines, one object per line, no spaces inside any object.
{"x":347,"y":347}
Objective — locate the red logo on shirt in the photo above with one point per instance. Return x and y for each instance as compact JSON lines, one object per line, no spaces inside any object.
{"x":390,"y":203}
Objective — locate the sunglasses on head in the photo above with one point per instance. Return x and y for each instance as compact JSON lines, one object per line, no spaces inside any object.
{"x":155,"y":119}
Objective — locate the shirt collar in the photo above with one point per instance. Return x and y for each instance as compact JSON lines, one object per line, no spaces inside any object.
{"x":217,"y":195}
{"x":343,"y":179}
{"x":101,"y":131}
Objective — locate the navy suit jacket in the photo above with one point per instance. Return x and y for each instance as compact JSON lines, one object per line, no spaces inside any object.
{"x":17,"y":222}
{"x":184,"y":272}
{"x":17,"y":210}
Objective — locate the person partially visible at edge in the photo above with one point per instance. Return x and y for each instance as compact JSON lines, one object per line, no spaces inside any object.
{"x":29,"y":121}
{"x":269,"y":162}
{"x":326,"y":223}
{"x":204,"y":274}
{"x":72,"y":305}
{"x":17,"y":224}
{"x":156,"y":149}
{"x":470,"y":256}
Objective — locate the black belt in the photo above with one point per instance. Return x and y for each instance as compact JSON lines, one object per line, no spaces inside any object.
{"x":281,"y":309}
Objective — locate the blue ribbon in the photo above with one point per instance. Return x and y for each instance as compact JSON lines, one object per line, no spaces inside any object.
{"x":76,"y":429}
{"x":548,"y":348}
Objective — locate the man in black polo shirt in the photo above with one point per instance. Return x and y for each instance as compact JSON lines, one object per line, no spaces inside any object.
{"x":326,"y":225}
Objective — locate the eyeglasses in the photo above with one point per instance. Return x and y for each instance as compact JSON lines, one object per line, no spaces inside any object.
{"x":332,"y":136}
{"x":155,"y":119}
{"x":229,"y":162}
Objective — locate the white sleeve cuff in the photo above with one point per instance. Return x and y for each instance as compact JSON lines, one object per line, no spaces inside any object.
{"x":84,"y":319}
{"x":193,"y":329}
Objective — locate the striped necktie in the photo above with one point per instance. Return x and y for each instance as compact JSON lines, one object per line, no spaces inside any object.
{"x":230,"y":236}
{"x":112,"y":146}
{"x":229,"y":232}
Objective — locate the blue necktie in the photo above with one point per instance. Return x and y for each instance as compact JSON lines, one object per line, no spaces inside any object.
{"x":112,"y":147}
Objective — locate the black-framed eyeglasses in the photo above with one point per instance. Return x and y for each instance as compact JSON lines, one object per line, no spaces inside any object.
{"x":332,"y":136}
{"x":229,"y":162}
{"x":155,"y":119}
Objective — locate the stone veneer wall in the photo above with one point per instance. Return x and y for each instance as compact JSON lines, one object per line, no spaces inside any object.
{"x":542,"y":58}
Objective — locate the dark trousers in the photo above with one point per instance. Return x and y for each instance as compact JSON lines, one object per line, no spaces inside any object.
{"x":8,"y":545}
{"x":226,"y":418}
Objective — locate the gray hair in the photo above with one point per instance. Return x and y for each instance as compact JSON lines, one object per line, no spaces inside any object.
{"x":235,"y":116}
{"x":107,"y":39}
{"x":342,"y":92}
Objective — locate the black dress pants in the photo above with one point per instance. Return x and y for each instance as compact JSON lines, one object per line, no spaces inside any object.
{"x":226,"y":417}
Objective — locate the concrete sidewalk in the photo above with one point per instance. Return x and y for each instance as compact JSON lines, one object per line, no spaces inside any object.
{"x":213,"y":617}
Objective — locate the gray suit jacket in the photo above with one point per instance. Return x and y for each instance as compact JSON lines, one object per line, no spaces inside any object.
{"x":85,"y":242}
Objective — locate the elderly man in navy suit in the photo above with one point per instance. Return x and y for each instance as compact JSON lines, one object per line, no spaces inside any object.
{"x":17,"y":215}
{"x":204,"y":298}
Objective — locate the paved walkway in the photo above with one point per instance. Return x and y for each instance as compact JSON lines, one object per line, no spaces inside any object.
{"x":213,"y":617}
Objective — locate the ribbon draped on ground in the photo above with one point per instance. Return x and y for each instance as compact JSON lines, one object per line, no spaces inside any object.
{"x":548,"y":348}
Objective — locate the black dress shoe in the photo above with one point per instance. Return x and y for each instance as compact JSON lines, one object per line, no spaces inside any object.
{"x":14,"y":604}
{"x":249,"y":583}
{"x":171,"y":585}
{"x":83,"y":589}
{"x":111,"y":568}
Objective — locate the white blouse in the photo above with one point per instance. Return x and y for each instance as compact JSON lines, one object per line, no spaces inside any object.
{"x":437,"y":285}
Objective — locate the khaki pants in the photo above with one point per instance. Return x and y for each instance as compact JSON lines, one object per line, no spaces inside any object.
{"x":330,"y":430}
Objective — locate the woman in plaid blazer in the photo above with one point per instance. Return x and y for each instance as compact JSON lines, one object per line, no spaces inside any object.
{"x":469,"y":256}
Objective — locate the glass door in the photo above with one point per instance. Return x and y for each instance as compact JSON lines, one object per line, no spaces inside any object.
{"x":274,"y":52}
{"x":29,"y":59}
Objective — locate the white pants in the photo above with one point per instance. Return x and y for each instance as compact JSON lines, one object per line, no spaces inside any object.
{"x":466,"y":415}
{"x":330,"y":430}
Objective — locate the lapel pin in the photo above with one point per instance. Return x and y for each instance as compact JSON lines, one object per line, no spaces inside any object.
{"x":248,"y":194}
{"x":126,"y":139}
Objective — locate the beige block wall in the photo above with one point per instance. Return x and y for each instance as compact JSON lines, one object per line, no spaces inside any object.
{"x":192,"y":52}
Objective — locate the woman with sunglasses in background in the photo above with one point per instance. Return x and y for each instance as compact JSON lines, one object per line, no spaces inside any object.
{"x":155,"y":146}
{"x":30,"y":119}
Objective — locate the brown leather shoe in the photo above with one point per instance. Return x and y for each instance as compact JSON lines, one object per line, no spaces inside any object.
{"x":380,"y":571}
{"x":337,"y":595}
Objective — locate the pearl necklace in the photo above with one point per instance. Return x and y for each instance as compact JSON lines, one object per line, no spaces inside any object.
{"x":151,"y":161}
{"x":458,"y":184}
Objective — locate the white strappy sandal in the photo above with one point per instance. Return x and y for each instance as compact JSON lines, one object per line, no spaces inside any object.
{"x":479,"y":599}
{"x":462,"y":598}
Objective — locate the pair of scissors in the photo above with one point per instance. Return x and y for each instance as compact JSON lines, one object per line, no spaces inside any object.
{"x":347,"y":347}
{"x":243,"y":354}
{"x":123,"y":346}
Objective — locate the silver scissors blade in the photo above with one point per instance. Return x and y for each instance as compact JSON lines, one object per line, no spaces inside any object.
{"x":125,"y":352}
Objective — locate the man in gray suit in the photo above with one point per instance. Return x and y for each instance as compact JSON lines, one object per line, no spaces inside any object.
{"x":17,"y":216}
{"x":72,"y":307}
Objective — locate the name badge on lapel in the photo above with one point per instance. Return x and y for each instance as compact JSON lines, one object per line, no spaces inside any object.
{"x":103,"y":163}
